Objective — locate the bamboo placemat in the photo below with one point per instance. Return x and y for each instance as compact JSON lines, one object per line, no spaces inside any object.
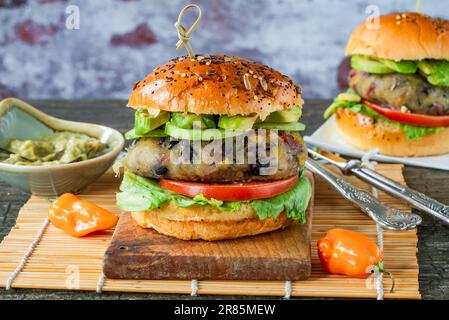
{"x":63,"y":262}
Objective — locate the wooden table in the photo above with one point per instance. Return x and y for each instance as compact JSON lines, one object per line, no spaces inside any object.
{"x":433,"y":245}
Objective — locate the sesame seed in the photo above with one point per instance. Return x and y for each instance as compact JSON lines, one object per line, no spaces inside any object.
{"x":246,"y":81}
{"x":264,"y":84}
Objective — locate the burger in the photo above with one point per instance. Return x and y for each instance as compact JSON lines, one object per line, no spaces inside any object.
{"x":398,"y":97}
{"x":217,"y":153}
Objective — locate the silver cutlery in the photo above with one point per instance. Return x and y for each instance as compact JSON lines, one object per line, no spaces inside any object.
{"x":388,"y":217}
{"x":415,"y":198}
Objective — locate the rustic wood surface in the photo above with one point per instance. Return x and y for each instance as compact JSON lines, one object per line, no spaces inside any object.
{"x":433,"y":245}
{"x":136,"y":253}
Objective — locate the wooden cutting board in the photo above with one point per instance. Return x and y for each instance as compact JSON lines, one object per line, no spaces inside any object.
{"x":138,"y":253}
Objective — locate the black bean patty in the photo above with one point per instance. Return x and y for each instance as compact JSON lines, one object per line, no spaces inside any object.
{"x":396,"y":90}
{"x":166,"y":158}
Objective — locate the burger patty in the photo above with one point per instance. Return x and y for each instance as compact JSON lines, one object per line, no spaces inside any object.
{"x":397,"y":90}
{"x":160,"y":158}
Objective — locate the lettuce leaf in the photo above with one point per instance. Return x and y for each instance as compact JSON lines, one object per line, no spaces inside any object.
{"x":141,"y":194}
{"x":294,"y":202}
{"x":411,"y":132}
{"x":201,"y":200}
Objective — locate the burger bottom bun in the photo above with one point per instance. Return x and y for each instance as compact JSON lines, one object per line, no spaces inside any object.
{"x":192,"y":229}
{"x":366,"y":133}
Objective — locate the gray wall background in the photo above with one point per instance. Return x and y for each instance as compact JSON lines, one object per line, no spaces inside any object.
{"x":120,"y":41}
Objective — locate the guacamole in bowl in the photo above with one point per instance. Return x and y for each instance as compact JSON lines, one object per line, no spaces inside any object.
{"x":58,"y":148}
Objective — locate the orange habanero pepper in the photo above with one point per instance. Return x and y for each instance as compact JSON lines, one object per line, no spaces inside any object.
{"x":78,"y":217}
{"x":350,"y":253}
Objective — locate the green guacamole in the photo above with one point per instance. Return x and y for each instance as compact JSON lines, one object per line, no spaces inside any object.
{"x":58,"y":148}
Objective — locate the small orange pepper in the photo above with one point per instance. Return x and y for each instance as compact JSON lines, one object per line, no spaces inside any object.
{"x":79,"y":217}
{"x":350,"y":253}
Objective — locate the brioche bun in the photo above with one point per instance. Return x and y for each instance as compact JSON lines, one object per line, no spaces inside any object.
{"x":207,"y":222}
{"x":366,"y":133}
{"x":215,"y":84}
{"x":402,"y":36}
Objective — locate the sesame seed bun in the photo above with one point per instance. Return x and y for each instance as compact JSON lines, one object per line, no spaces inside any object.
{"x":207,"y":222}
{"x":402,"y":36}
{"x":215,"y":84}
{"x":210,"y":230}
{"x":365,"y":133}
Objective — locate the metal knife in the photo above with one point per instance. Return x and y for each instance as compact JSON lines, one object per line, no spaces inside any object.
{"x":388,"y":217}
{"x":415,"y":198}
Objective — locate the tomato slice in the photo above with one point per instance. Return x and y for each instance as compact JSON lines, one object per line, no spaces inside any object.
{"x":231,"y":192}
{"x":415,"y":119}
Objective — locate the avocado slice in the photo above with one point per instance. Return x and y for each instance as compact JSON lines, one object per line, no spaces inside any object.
{"x":367,"y":64}
{"x":144,"y":122}
{"x":427,"y":67}
{"x":195,"y":134}
{"x":400,"y":66}
{"x":436,"y":71}
{"x":290,"y":115}
{"x":188,"y":120}
{"x":439,"y":79}
{"x":349,"y":96}
{"x":158,"y":133}
{"x":342,"y":100}
{"x":236,"y":122}
{"x":332,"y":108}
{"x":291,"y":126}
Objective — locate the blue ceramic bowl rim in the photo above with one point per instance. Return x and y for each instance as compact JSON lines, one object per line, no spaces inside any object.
{"x":45,"y":118}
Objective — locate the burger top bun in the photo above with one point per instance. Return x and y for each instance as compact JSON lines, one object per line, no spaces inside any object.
{"x":215,"y":84}
{"x":401,"y":36}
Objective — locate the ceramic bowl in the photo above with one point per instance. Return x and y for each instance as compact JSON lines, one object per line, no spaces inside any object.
{"x":19,"y":120}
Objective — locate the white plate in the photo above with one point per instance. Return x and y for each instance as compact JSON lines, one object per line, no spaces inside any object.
{"x":328,"y":137}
